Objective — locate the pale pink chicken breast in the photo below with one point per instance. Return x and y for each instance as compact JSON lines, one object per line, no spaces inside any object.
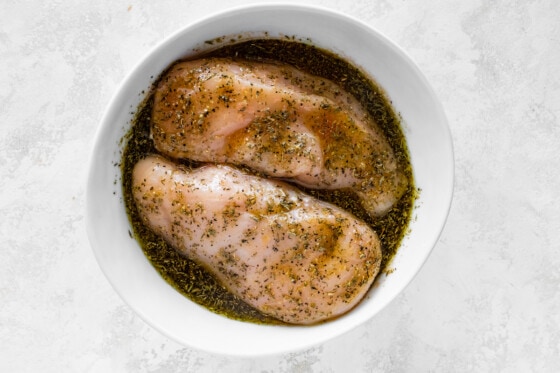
{"x":276,"y":120}
{"x":283,"y":252}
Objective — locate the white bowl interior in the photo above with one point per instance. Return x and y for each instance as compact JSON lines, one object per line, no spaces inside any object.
{"x":425,"y":127}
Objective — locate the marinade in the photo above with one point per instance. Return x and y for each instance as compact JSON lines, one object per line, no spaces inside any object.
{"x":194,"y":281}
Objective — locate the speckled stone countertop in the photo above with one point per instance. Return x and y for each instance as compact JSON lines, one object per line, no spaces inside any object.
{"x":488,"y":298}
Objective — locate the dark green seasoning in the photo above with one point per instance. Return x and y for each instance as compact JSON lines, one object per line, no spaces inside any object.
{"x":194,"y":281}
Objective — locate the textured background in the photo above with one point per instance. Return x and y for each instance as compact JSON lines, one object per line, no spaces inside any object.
{"x":488,"y":298}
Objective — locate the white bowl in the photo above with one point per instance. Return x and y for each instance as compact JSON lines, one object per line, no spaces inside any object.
{"x":425,"y":128}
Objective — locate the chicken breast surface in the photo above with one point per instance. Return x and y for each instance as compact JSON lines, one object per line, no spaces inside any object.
{"x":283,"y":252}
{"x":279,"y":121}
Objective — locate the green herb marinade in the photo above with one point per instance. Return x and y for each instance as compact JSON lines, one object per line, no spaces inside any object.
{"x":194,"y":281}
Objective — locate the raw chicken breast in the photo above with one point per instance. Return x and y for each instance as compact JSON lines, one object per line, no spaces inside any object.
{"x":283,"y":252}
{"x":276,"y":120}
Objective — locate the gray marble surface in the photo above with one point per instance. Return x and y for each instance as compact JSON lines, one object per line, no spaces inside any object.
{"x":488,"y":298}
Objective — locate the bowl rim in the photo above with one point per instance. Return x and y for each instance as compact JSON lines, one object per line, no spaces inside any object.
{"x":321,"y":11}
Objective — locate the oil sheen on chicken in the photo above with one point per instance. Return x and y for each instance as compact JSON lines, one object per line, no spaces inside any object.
{"x":279,"y":121}
{"x":285,"y":253}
